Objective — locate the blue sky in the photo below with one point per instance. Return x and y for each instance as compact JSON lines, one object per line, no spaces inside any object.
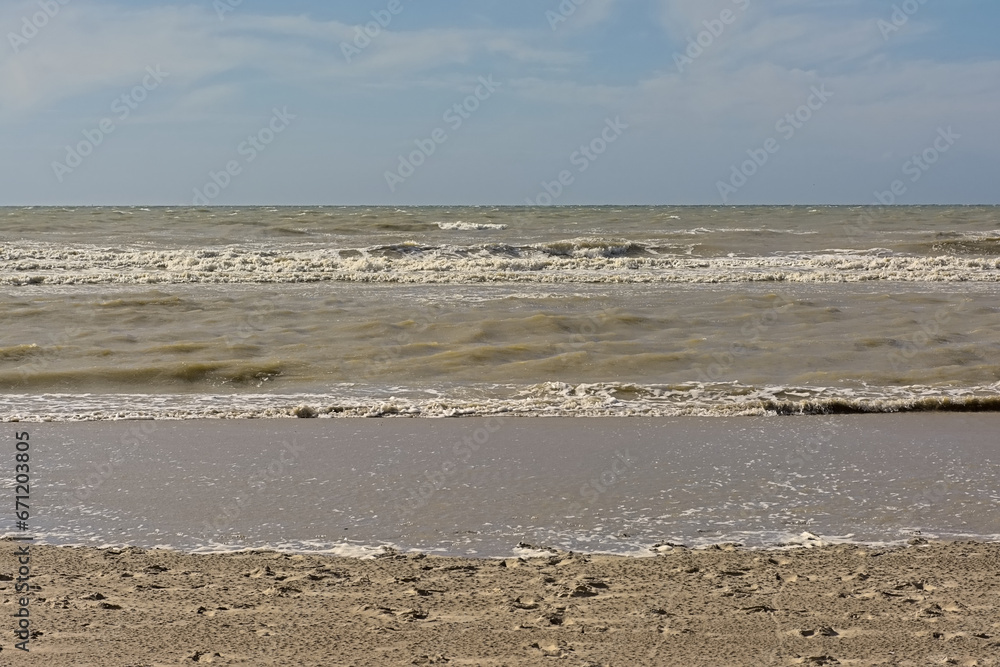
{"x":258,"y":102}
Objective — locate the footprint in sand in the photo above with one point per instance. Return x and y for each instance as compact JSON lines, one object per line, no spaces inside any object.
{"x":933,"y":610}
{"x":554,"y":618}
{"x":549,"y":650}
{"x":820,"y":632}
{"x":580,"y":591}
{"x":759,"y":609}
{"x":260,"y":572}
{"x":525,"y":603}
{"x":425,"y":592}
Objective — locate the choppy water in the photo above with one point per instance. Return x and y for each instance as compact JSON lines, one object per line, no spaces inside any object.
{"x":440,"y":312}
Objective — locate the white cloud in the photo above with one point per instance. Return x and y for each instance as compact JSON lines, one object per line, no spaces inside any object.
{"x":594,"y":12}
{"x":90,"y":48}
{"x":887,"y":102}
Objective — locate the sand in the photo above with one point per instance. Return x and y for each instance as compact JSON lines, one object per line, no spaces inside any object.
{"x":927,"y":604}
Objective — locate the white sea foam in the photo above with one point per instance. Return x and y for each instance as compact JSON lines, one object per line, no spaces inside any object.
{"x":571,"y":261}
{"x":470,"y":226}
{"x":549,"y":399}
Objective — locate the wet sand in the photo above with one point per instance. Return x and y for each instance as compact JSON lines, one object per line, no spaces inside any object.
{"x":926,"y":604}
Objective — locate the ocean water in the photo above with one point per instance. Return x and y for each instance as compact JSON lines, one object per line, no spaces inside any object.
{"x":436,"y":312}
{"x":713,"y":320}
{"x":498,"y":486}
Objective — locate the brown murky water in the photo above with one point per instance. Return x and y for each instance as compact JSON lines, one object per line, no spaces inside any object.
{"x":441,"y":312}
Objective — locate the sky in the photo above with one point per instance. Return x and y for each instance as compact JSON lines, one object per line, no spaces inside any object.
{"x":499,"y":102}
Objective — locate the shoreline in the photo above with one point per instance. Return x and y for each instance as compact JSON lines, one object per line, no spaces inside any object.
{"x":557,"y":400}
{"x":806,"y":542}
{"x":479,"y":487}
{"x":926,"y":603}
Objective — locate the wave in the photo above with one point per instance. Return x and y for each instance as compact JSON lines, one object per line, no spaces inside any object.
{"x":583,"y":260}
{"x":470,"y":226}
{"x":19,"y":352}
{"x":968,"y":246}
{"x":41,"y":374}
{"x":699,"y":231}
{"x":549,"y":399}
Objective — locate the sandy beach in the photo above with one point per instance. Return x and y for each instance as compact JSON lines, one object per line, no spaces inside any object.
{"x":926,"y":604}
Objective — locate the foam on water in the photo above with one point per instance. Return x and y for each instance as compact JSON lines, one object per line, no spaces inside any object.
{"x":571,"y":310}
{"x":571,"y":261}
{"x":549,"y":399}
{"x":470,"y":226}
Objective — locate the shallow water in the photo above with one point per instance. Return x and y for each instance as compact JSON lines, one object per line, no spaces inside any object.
{"x":483,"y":486}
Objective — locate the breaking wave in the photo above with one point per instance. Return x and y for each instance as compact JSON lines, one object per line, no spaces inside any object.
{"x":582,"y":260}
{"x":549,"y":399}
{"x":470,"y":226}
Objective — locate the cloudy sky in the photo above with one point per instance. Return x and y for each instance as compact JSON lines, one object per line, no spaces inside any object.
{"x":495,"y":101}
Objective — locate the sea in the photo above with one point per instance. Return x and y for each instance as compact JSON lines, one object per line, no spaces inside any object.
{"x":496,"y":381}
{"x":179,"y":313}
